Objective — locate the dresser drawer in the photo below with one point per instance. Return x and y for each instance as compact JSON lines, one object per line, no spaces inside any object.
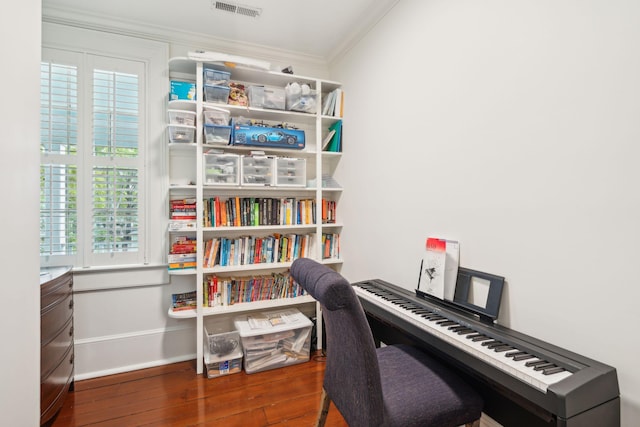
{"x":54,"y":291}
{"x":54,"y":351}
{"x":54,"y":388}
{"x":54,"y":319}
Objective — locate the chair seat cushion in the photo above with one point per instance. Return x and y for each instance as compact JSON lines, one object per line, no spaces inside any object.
{"x":419,"y":391}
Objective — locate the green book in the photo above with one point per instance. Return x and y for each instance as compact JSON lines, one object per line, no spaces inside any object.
{"x":336,"y":142}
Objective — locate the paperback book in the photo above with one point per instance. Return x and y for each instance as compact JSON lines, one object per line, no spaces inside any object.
{"x":439,"y":268}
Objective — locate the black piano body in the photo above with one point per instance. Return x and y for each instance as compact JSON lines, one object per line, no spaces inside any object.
{"x":589,"y":397}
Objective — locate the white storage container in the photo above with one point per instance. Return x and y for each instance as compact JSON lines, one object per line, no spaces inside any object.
{"x":257,"y":170}
{"x":274,"y":339}
{"x":291,"y":172}
{"x":216,"y":77}
{"x":266,"y":97}
{"x":216,"y":93}
{"x":221,"y":169}
{"x":182,"y":133}
{"x":214,"y":134}
{"x":182,"y":117}
{"x":216,"y":116}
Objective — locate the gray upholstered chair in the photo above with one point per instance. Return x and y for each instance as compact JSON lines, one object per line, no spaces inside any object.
{"x":395,"y":385}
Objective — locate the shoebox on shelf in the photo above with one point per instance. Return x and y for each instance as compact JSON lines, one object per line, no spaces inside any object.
{"x":262,"y":136}
{"x":222,"y":351}
{"x":274,"y":339}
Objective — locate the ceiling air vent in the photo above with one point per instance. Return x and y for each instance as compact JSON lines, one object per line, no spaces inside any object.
{"x":238,"y":9}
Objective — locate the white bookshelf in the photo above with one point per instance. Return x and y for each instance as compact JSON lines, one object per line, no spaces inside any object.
{"x":186,"y":180}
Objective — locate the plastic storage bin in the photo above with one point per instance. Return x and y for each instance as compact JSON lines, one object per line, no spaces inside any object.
{"x":274,"y":339}
{"x":257,"y":170}
{"x":216,"y":116}
{"x":182,"y":133}
{"x":266,"y":97}
{"x":214,"y":134}
{"x":216,"y":93}
{"x":291,"y":172}
{"x":222,"y":352}
{"x":300,"y":97}
{"x":182,"y":117}
{"x":216,"y":77}
{"x":221,"y":169}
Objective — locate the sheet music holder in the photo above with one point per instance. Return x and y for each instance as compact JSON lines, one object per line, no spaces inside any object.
{"x":476,"y":292}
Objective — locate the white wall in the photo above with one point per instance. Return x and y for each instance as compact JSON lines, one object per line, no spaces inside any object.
{"x":512,"y":127}
{"x":20,"y":314}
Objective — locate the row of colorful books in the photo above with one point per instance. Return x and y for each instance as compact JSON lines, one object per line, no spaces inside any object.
{"x":182,"y":253}
{"x":182,"y":209}
{"x":246,"y":250}
{"x":330,"y":245}
{"x":219,"y":291}
{"x":254,"y":211}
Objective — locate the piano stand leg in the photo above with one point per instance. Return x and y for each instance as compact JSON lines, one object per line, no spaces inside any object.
{"x":324,"y":409}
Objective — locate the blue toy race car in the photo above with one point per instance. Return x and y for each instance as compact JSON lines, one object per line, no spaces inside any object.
{"x":275,"y":137}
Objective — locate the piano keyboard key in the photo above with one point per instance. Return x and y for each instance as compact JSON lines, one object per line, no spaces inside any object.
{"x":513,"y":361}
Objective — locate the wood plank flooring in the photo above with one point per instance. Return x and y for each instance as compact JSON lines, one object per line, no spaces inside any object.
{"x":174,"y":395}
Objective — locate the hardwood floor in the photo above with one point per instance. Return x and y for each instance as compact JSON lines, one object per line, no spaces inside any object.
{"x":174,"y":395}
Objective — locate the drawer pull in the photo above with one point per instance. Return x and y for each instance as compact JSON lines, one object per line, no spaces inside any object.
{"x":71,"y":359}
{"x":71,"y":305}
{"x":71,"y":331}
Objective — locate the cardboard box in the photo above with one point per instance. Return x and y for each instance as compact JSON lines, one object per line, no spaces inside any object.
{"x":182,"y":90}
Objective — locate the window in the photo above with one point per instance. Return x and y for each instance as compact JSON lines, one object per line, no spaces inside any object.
{"x":92,"y":170}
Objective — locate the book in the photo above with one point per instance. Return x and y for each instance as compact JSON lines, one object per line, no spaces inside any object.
{"x":337,"y":110}
{"x":335,"y":145}
{"x":329,"y":103}
{"x":432,"y":274}
{"x":183,"y":301}
{"x":451,"y":269}
{"x":439,"y":268}
{"x":327,"y":139}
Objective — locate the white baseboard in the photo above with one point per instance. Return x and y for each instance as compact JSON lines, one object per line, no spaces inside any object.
{"x":115,"y":354}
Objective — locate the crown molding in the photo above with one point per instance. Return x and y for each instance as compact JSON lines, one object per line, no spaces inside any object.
{"x":361,"y":30}
{"x":68,"y":17}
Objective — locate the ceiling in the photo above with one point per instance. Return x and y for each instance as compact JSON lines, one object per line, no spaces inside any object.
{"x":320,"y":28}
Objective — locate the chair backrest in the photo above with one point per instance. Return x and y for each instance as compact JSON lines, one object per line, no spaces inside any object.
{"x":352,"y":375}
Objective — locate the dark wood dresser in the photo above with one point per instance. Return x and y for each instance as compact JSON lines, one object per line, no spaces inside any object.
{"x":56,"y":339}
